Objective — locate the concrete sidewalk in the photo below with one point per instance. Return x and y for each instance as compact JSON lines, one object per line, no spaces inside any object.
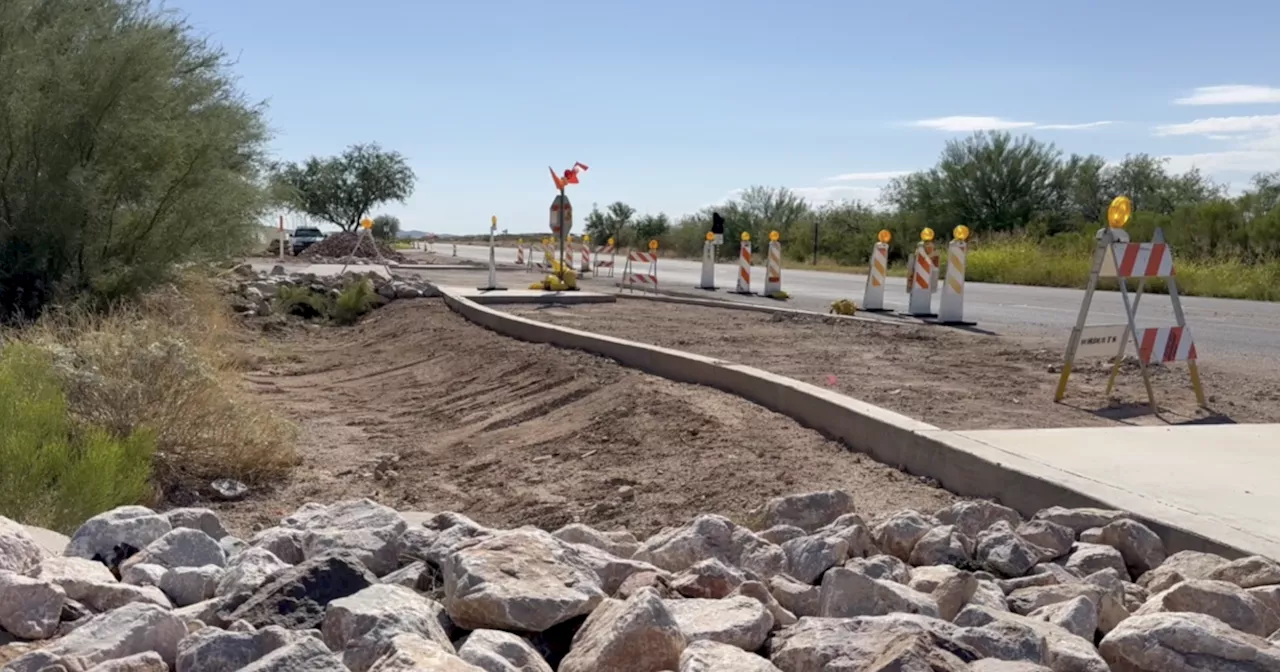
{"x":1217,"y":481}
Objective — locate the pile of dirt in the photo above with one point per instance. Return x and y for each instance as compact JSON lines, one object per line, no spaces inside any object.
{"x":420,"y":409}
{"x":340,"y":246}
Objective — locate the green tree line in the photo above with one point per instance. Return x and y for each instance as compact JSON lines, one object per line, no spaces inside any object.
{"x":1001,"y":187}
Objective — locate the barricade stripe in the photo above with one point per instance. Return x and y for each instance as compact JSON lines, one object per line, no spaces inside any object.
{"x":1129,"y":255}
{"x":955,"y":284}
{"x":1155,"y":260}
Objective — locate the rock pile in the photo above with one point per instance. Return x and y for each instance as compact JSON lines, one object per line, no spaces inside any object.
{"x":253,"y":292}
{"x":340,"y":245}
{"x":808,"y":585}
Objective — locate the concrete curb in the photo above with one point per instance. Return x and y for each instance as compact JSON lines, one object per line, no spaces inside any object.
{"x":756,"y":308}
{"x":962,"y":465}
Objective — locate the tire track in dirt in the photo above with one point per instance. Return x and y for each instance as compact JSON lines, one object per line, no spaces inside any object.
{"x":516,"y":433}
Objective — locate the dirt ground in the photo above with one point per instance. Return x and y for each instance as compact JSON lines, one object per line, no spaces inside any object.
{"x":421,"y":410}
{"x":946,"y":377}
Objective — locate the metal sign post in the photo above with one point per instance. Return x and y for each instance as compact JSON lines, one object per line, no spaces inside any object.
{"x":493,"y":257}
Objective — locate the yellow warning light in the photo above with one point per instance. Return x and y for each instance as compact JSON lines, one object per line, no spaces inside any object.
{"x":773,"y":236}
{"x":960,"y":233}
{"x":610,"y":242}
{"x":1119,"y":211}
{"x":493,"y":221}
{"x":884,"y":236}
{"x":926,"y":235}
{"x":519,"y":241}
{"x":710,"y":236}
{"x":653,"y":244}
{"x":366,"y":223}
{"x":746,"y":237}
{"x":546,"y":241}
{"x":586,"y":237}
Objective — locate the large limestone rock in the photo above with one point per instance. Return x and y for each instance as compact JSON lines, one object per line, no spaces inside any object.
{"x":285,"y":543}
{"x":895,"y":642}
{"x":183,"y":547}
{"x":524,"y":580}
{"x":248,"y":570}
{"x":808,"y":511}
{"x":1079,"y":520}
{"x":972,"y":517}
{"x":29,"y":608}
{"x":217,"y":650}
{"x":131,"y":629}
{"x":1054,"y":538}
{"x":358,"y":625}
{"x":708,"y":536}
{"x":710,"y":579}
{"x":639,"y":635}
{"x":1178,"y":567}
{"x":1185,"y":642}
{"x":1089,"y":558}
{"x":305,"y":653}
{"x":760,"y":593}
{"x":147,"y":661}
{"x":847,"y":593}
{"x":1248,"y":572}
{"x":897,"y":535}
{"x":798,"y":598}
{"x":497,"y":651}
{"x":19,"y":551}
{"x":1066,"y":652}
{"x":993,"y":665}
{"x":187,"y":585}
{"x":296,"y":597}
{"x":76,"y":576}
{"x":1141,"y":548}
{"x":1078,"y":616}
{"x":953,"y":593}
{"x":1001,"y":551}
{"x":621,"y":544}
{"x":368,"y":530}
{"x":117,"y":533}
{"x":944,"y":545}
{"x":809,"y":557}
{"x":1224,"y":601}
{"x":709,"y":656}
{"x":884,"y":567}
{"x":737,"y":621}
{"x":408,"y":652}
{"x":611,"y":570}
{"x":201,"y":519}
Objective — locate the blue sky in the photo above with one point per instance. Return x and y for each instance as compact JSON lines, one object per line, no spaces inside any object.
{"x":674,"y":104}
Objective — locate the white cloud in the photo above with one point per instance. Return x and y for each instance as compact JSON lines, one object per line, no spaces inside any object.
{"x":1223,"y":125}
{"x":1239,"y":160}
{"x":968,"y":124}
{"x":1231,"y":94}
{"x":1073,"y":127}
{"x":821,"y":195}
{"x":880,"y":176}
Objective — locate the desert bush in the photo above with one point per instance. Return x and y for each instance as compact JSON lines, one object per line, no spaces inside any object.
{"x":301,"y":301}
{"x":58,"y":471}
{"x":355,"y":299}
{"x":126,"y":148}
{"x":166,"y":363}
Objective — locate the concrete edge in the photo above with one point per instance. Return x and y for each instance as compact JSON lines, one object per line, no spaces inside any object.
{"x":964,"y":466}
{"x":500,"y":297}
{"x":757,"y":308}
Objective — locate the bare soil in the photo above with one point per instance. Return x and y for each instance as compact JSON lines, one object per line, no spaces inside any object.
{"x":947,"y":377}
{"x":421,"y":410}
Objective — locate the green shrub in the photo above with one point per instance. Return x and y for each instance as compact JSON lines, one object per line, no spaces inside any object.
{"x":301,"y":301}
{"x":56,"y":471}
{"x":355,"y":299}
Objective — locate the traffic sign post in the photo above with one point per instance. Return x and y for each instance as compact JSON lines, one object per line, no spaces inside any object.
{"x":493,"y":259}
{"x":366,"y":230}
{"x":1116,"y":257}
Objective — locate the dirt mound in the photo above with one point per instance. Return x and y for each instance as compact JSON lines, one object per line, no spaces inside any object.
{"x":420,"y":409}
{"x":340,"y":245}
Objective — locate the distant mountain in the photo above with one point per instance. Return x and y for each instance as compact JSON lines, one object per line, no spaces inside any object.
{"x":413,"y":235}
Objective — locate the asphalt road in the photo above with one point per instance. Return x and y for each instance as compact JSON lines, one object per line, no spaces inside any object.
{"x":1224,"y":329}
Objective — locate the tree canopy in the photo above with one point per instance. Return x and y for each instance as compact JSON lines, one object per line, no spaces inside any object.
{"x":126,"y":147}
{"x":343,"y":189}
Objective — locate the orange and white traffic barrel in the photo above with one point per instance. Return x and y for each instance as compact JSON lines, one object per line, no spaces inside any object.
{"x":586,"y":255}
{"x":920,"y":279}
{"x":744,"y":265}
{"x":773,"y":266}
{"x":519,"y":253}
{"x":951,"y":307}
{"x":873,"y":295}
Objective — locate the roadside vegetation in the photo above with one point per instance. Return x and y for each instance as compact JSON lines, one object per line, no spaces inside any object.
{"x":1033,"y":212}
{"x":130,"y":162}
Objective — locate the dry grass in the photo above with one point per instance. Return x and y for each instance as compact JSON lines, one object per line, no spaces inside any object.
{"x":170,"y":364}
